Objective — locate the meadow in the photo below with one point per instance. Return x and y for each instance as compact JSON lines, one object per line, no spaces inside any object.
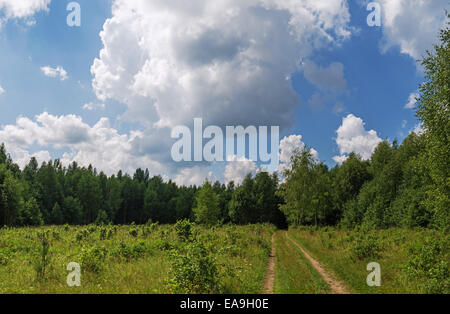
{"x":182,"y":258}
{"x":191,"y":258}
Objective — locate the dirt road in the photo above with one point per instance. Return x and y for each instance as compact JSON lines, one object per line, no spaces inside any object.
{"x":337,"y":287}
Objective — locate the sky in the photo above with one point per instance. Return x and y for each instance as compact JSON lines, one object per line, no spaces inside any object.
{"x":110,"y":91}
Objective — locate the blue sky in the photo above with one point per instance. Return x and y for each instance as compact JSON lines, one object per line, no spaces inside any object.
{"x":318,"y":71}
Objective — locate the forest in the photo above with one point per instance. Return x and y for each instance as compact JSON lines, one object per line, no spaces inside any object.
{"x":402,"y":185}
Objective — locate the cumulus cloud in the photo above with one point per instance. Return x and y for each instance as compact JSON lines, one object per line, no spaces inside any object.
{"x":99,"y":145}
{"x":289,"y":145}
{"x":238,"y":168}
{"x":194,"y":176}
{"x":353,"y":137}
{"x":55,"y":72}
{"x":340,"y":159}
{"x":2,"y":91}
{"x":412,"y":100}
{"x":22,"y":8}
{"x":170,"y":61}
{"x":412,"y":25}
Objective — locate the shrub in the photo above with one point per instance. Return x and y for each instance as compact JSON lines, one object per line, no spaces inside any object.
{"x":81,"y":235}
{"x":103,"y":234}
{"x":129,"y":251}
{"x":134,"y":233}
{"x":366,"y":246}
{"x":92,"y":258}
{"x":428,"y":266}
{"x":102,"y":218}
{"x":43,"y":258}
{"x":194,"y":271}
{"x":56,"y":236}
{"x":4,"y":258}
{"x":183,"y":229}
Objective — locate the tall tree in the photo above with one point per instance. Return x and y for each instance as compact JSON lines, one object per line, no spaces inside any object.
{"x":434,"y":112}
{"x":207,"y":211}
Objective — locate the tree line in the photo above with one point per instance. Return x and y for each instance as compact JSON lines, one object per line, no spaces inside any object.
{"x":54,"y":194}
{"x":404,"y":185}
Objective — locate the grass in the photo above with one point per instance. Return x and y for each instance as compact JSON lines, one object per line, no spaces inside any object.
{"x":128,"y":259}
{"x":293,"y":272}
{"x":144,"y":259}
{"x":347,"y":253}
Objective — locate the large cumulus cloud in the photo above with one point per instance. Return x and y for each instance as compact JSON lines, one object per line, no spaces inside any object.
{"x":227,"y":61}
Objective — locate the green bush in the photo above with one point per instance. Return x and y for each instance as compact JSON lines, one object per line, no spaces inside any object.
{"x":131,"y":251}
{"x":92,"y":258}
{"x":103,"y":234}
{"x":183,"y":228}
{"x":194,"y":270}
{"x":134,"y":233}
{"x":366,"y":246}
{"x":43,"y":257}
{"x":428,"y":266}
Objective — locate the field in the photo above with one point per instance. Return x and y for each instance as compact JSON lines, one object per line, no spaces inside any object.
{"x":135,"y":259}
{"x":188,"y":258}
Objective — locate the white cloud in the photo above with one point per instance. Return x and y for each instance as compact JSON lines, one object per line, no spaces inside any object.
{"x":2,"y":91}
{"x":412,"y":25}
{"x":93,"y":106}
{"x":238,"y":168}
{"x":12,"y":9}
{"x":99,"y":145}
{"x":340,"y":159}
{"x":170,"y":61}
{"x":194,"y":176}
{"x":55,"y":72}
{"x":418,"y":129}
{"x":288,"y":147}
{"x":412,"y":100}
{"x":353,"y":137}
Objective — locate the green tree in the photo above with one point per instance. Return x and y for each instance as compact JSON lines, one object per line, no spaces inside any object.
{"x":207,"y":211}
{"x":90,"y":196}
{"x":72,"y":210}
{"x":242,"y":207}
{"x":56,"y":216}
{"x":297,"y":190}
{"x":434,"y":112}
{"x":11,"y":197}
{"x":30,"y":214}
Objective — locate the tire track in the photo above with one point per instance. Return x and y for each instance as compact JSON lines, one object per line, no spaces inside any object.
{"x":270,"y":274}
{"x":337,"y":287}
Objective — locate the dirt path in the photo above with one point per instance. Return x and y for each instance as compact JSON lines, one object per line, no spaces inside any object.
{"x":337,"y":287}
{"x":270,"y":274}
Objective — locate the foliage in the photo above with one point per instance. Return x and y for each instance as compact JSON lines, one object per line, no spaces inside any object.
{"x":207,"y":211}
{"x":428,"y":266}
{"x":366,"y":246}
{"x":434,"y":112}
{"x":43,"y":260}
{"x":183,"y":229}
{"x":194,"y":270}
